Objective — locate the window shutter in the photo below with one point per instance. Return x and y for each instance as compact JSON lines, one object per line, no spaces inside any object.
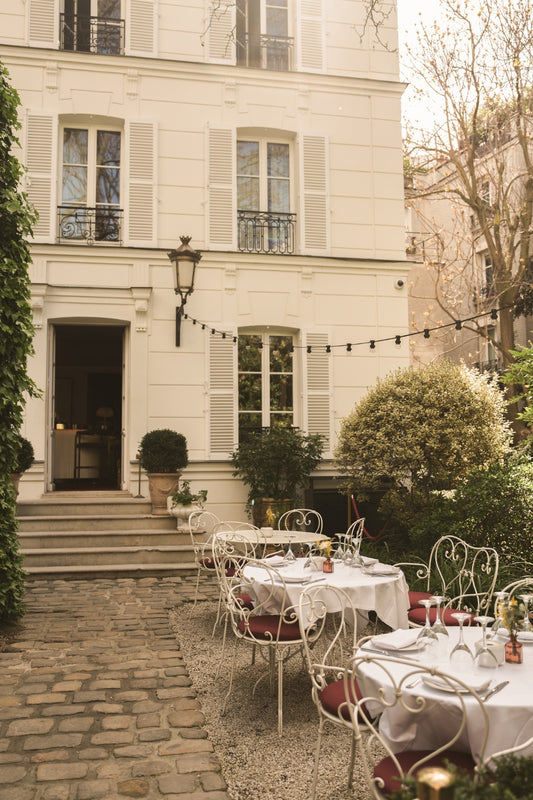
{"x":311,"y":43}
{"x":43,"y":23}
{"x":314,"y":200}
{"x":221,"y":31}
{"x":141,"y":28}
{"x":40,"y":161}
{"x":222,"y":395}
{"x":222,"y":214}
{"x":317,"y":396}
{"x":140,"y":210}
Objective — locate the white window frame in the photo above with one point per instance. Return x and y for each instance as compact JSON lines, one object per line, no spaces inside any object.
{"x":263,"y":169}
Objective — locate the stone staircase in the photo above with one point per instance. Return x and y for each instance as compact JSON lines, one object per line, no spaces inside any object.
{"x":98,"y":534}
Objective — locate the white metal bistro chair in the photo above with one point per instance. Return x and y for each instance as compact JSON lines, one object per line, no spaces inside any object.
{"x":392,"y":706}
{"x":201,"y":527}
{"x":461,"y":573}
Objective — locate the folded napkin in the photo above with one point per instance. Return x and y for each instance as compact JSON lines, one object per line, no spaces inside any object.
{"x":398,"y":640}
{"x":275,"y":561}
{"x":474,"y":683}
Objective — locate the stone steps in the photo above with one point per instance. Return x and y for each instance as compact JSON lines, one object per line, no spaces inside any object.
{"x":80,"y":535}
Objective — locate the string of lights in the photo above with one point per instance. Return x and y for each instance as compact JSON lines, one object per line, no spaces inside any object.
{"x":371,"y":343}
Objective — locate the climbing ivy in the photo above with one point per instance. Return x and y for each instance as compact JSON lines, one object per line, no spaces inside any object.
{"x":16,"y":334}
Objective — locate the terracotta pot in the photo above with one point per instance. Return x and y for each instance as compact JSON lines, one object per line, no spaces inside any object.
{"x":161,"y":485}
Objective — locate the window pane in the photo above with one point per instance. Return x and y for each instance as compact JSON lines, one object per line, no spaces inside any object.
{"x":108,"y":186}
{"x":281,"y":392}
{"x":280,"y":354}
{"x":279,"y":196}
{"x":249,"y":392}
{"x":249,"y":353}
{"x":110,"y":9}
{"x":74,"y":191}
{"x":278,"y":160}
{"x":75,"y":146}
{"x":247,"y":158}
{"x":276,"y":20}
{"x":248,"y":194}
{"x":281,"y":420}
{"x":248,"y":424}
{"x":108,"y":148}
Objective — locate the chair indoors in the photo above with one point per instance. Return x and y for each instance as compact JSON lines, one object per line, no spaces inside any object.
{"x":464,"y":575}
{"x":327,"y":615}
{"x":277,"y":635}
{"x":390,"y":706}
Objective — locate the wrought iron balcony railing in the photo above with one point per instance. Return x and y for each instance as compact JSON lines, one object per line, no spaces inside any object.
{"x":91,"y":34}
{"x":266,"y":232}
{"x":100,"y":224}
{"x":267,"y":52}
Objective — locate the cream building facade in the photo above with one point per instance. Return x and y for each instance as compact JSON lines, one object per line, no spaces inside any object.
{"x":266,"y":130}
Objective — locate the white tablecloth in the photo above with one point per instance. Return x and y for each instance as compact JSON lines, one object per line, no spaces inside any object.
{"x":510,"y":710}
{"x":386,"y":595}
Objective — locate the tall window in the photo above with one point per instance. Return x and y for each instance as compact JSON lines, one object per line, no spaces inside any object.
{"x":263,"y":197}
{"x":488,"y":287}
{"x":266,"y":386}
{"x":92,"y":26}
{"x":90,"y":197}
{"x":262,"y":34}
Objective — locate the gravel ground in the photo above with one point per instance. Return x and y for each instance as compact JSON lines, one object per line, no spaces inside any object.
{"x":257,"y":764}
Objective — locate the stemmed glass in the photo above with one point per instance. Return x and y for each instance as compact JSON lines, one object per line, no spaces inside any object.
{"x":501,"y":598}
{"x":339,"y":552}
{"x":485,"y":657}
{"x":289,"y":555}
{"x":427,"y":635}
{"x":461,"y":657}
{"x":438,"y":625}
{"x":526,"y":624}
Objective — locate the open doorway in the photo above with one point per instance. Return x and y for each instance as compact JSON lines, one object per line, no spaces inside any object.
{"x":87,"y":434}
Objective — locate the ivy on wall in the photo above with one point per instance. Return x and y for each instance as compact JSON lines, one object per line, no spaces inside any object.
{"x":16,"y":334}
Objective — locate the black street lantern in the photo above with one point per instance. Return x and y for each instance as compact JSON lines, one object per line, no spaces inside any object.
{"x":185,"y":260}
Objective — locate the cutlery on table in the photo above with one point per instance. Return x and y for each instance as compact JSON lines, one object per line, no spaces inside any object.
{"x":497,"y":688}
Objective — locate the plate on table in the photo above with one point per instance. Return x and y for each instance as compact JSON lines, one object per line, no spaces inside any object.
{"x":434,"y":682}
{"x":525,"y":637}
{"x":400,"y":641}
{"x":381,"y":569}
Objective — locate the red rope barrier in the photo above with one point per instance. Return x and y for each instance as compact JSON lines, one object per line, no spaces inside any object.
{"x":367,"y":534}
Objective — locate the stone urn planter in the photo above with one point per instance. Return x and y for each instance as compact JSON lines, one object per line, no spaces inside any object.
{"x":182,"y":503}
{"x":163,"y":455}
{"x":161,"y":485}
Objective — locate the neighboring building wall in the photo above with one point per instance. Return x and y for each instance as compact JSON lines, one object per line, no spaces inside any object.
{"x":177,"y":103}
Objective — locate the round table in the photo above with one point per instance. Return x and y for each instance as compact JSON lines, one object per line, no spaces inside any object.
{"x":510,"y":710}
{"x":387,"y":595}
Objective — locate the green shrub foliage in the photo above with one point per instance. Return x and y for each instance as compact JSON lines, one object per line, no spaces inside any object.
{"x":16,"y":334}
{"x":420,"y":431}
{"x":163,"y":450}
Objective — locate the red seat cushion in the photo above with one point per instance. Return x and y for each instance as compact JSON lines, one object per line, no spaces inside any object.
{"x":245,"y":600}
{"x":334,"y":695}
{"x":265,"y":626}
{"x":208,"y":563}
{"x":418,"y":616}
{"x":387,"y":771}
{"x":416,"y":597}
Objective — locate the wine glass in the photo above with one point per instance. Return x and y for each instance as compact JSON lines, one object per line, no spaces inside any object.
{"x":501,"y":598}
{"x":339,"y":552}
{"x":438,"y":625}
{"x":461,"y":657}
{"x":427,"y":635}
{"x":526,"y":624}
{"x":485,"y":657}
{"x":289,"y":555}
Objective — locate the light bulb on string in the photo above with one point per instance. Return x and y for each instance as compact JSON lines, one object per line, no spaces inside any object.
{"x":398,"y":340}
{"x":458,"y":325}
{"x":372,"y":344}
{"x":348,"y":348}
{"x":426,"y":333}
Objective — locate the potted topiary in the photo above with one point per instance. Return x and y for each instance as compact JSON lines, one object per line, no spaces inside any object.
{"x":275,"y":464}
{"x":163,"y":455}
{"x":183,"y":502}
{"x":24,"y":460}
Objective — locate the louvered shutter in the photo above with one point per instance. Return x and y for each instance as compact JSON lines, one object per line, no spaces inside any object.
{"x":40,"y":161}
{"x":140,"y":209}
{"x":222,"y":395}
{"x":43,"y":23}
{"x":317,"y":395}
{"x":314,"y":196}
{"x":141,"y":28}
{"x":221,"y":214}
{"x":311,"y":43}
{"x":221,"y":31}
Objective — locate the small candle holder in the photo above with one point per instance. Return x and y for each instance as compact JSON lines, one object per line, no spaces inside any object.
{"x":328,"y":565}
